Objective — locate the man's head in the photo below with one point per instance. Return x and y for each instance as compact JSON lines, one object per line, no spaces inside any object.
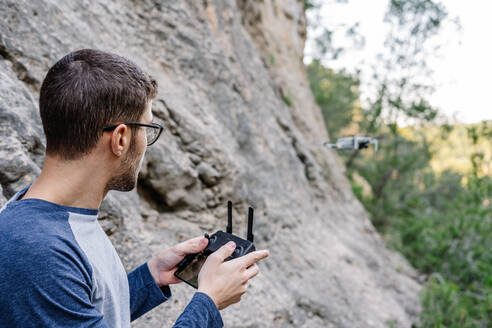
{"x":88,"y":90}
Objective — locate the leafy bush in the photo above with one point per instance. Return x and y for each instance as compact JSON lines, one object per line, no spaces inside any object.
{"x":444,"y":229}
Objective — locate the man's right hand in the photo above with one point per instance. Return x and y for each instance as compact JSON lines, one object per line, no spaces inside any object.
{"x":226,"y":282}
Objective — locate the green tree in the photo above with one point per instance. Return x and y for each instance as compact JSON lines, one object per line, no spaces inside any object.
{"x":441,"y":222}
{"x":336,"y":93}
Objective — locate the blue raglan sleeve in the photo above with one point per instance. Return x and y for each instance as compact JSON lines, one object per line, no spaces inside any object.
{"x":144,"y":292}
{"x":47,"y":286}
{"x":145,"y":295}
{"x":200,"y":312}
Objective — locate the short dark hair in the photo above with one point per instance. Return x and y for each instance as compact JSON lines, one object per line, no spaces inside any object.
{"x":85,"y":91}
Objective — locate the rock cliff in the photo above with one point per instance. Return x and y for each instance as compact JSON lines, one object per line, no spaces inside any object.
{"x":241,"y":124}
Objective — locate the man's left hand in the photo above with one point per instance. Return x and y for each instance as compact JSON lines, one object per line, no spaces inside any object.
{"x":163,"y":266}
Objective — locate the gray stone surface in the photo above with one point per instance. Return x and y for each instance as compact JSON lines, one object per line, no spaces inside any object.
{"x":223,"y":68}
{"x":2,"y":198}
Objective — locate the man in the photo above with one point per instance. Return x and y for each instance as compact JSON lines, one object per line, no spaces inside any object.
{"x":58,"y":268}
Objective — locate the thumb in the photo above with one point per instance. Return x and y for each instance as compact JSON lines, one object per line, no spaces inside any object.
{"x":191,"y":246}
{"x":225,"y":251}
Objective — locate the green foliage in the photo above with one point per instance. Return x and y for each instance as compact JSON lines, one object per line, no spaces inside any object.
{"x":422,"y":18}
{"x":287,"y":100}
{"x":453,"y":146}
{"x":357,"y":190}
{"x":453,"y":243}
{"x":336,"y":94}
{"x":445,"y":306}
{"x":441,"y":222}
{"x":440,"y":219}
{"x":400,"y":165}
{"x":444,"y":229}
{"x":308,"y":5}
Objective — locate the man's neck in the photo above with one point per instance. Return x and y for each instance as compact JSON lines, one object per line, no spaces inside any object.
{"x":77,"y":183}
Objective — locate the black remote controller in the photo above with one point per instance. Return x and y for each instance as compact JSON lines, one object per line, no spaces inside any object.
{"x":189,"y":267}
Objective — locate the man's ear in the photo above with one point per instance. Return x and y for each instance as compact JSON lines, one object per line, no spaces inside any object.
{"x":120,"y":140}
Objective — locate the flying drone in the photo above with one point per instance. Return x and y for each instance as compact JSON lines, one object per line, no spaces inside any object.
{"x":354,"y":142}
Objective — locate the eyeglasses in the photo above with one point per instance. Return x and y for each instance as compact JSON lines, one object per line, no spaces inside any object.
{"x":153,"y":131}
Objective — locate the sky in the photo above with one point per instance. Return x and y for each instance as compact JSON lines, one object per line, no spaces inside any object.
{"x":462,"y":70}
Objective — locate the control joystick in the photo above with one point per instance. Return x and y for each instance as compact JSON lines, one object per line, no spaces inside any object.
{"x":189,"y":267}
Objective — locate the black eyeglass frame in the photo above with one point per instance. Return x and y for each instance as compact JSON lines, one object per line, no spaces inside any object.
{"x":152,"y":125}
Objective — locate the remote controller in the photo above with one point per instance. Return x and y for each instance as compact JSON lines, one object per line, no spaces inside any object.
{"x":189,"y":267}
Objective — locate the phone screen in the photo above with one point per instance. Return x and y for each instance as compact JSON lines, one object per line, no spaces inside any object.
{"x":189,"y":273}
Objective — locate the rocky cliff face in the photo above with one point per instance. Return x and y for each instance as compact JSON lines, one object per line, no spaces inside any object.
{"x":241,"y":124}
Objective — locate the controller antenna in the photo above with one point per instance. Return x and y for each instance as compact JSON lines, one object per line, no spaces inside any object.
{"x":251,"y":237}
{"x":229,"y":217}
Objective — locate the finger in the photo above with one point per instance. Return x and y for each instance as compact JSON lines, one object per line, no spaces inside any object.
{"x":253,"y":257}
{"x":252,"y":271}
{"x":244,"y":288}
{"x":191,"y":246}
{"x":225,"y":251}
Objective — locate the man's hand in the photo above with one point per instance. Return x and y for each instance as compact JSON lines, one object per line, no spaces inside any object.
{"x":163,"y":266}
{"x":226,"y":282}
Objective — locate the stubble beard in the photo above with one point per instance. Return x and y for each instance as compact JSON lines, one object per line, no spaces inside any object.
{"x":130,"y":166}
